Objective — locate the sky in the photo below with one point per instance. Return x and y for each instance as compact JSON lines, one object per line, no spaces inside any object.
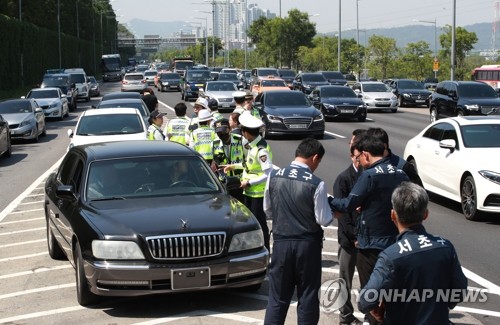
{"x":371,"y":13}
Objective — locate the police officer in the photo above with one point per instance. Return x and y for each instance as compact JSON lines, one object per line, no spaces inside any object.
{"x":214,"y":110}
{"x":422,"y":270}
{"x":372,"y":192}
{"x":256,"y":168}
{"x":239,"y":99}
{"x":154,"y":130}
{"x":200,"y":104}
{"x":297,"y":202}
{"x":202,"y":138}
{"x":176,"y":128}
{"x":228,"y":149}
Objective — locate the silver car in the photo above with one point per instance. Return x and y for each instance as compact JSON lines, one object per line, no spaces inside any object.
{"x":25,"y":117}
{"x":222,"y":92}
{"x":376,"y":95}
{"x":134,"y":81}
{"x":150,"y":75}
{"x":53,"y":102}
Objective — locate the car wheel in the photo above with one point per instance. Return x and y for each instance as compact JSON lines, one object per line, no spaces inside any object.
{"x":88,"y":98}
{"x":460,"y":112}
{"x":468,"y":198}
{"x":394,"y":110}
{"x":83,"y":294}
{"x":319,"y":136}
{"x":362,"y":118}
{"x":55,"y":251}
{"x":413,"y":163}
{"x":8,"y":152}
{"x":44,"y":131}
{"x":401,"y":101}
{"x":36,"y":138}
{"x":434,"y":114}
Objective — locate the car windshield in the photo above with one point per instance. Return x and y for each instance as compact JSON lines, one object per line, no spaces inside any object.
{"x":150,"y":73}
{"x":476,"y":91}
{"x":376,"y":88}
{"x":200,"y":75}
{"x":273,"y":83}
{"x":221,"y":86}
{"x":51,"y":81}
{"x":78,"y":78}
{"x":149,"y":176}
{"x":410,"y":84}
{"x":481,"y":136}
{"x":92,"y":80}
{"x":109,"y":124}
{"x":44,"y":94}
{"x":313,"y":77}
{"x":287,"y":73}
{"x":333,"y":75}
{"x":344,"y":92}
{"x":165,"y":76}
{"x":227,"y":76}
{"x":134,"y":104}
{"x":268,"y":72}
{"x":15,"y":106}
{"x":286,"y":99}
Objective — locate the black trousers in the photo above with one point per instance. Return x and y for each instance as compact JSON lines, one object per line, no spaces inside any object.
{"x":294,"y":264}
{"x":256,"y":206}
{"x":365,"y":264}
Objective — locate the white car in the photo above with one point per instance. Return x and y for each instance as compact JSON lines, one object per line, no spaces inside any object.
{"x":53,"y":102}
{"x":376,"y":95}
{"x":106,"y":125}
{"x":222,"y":92}
{"x":459,"y":158}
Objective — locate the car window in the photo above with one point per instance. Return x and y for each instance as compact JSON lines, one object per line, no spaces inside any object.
{"x":435,"y":132}
{"x":313,"y":77}
{"x":476,"y":91}
{"x":343,"y":92}
{"x":109,"y":124}
{"x":77,"y":78}
{"x":267,"y":72}
{"x":410,"y":84}
{"x":15,"y":106}
{"x":481,"y":136}
{"x":134,"y":77}
{"x":449,"y":133}
{"x":333,"y":75}
{"x":273,"y":83}
{"x":150,"y":176}
{"x":65,"y":172}
{"x":44,"y":94}
{"x":375,"y":88}
{"x":286,"y":99}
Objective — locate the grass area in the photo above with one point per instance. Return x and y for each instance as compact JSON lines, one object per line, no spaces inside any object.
{"x":14,"y":93}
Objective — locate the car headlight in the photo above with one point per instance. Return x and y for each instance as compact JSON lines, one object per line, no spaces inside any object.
{"x":331,"y":106}
{"x":246,"y":240}
{"x":491,"y":176}
{"x":25,"y":123}
{"x":406,"y":95}
{"x":366,"y":97}
{"x":394,"y":98}
{"x":474,"y":107}
{"x":307,"y":86}
{"x":165,"y":83}
{"x":116,"y":250}
{"x":318,"y":118}
{"x":53,"y":105}
{"x":84,"y":88}
{"x":274,"y":119}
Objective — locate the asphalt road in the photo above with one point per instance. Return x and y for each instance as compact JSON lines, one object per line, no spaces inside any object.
{"x":36,"y":289}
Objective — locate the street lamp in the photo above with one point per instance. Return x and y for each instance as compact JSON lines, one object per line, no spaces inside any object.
{"x":453,"y":41}
{"x":435,"y":37}
{"x":340,"y":36}
{"x":59,"y":32}
{"x":357,"y":37}
{"x":213,"y":34}
{"x":206,"y":38}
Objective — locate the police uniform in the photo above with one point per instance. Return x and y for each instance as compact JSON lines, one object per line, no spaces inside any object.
{"x":256,"y":168}
{"x":417,"y":262}
{"x":176,"y":129}
{"x":297,"y":202}
{"x":154,"y":131}
{"x":194,"y":122}
{"x":202,"y":138}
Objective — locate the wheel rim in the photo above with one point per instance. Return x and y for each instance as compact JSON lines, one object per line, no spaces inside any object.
{"x":460,"y":113}
{"x":433,"y":115}
{"x":468,"y":198}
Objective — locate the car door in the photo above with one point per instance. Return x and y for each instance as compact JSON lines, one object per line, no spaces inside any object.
{"x":450,"y":103}
{"x":4,"y":134}
{"x":424,"y":154}
{"x":39,"y":116}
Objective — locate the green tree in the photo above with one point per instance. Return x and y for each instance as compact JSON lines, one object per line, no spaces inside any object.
{"x":417,"y":60}
{"x":383,"y":51}
{"x":464,"y":42}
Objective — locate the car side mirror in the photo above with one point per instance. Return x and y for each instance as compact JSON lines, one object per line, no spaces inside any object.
{"x":66,"y":191}
{"x":38,"y":110}
{"x":452,"y":94}
{"x":70,"y":133}
{"x":448,"y":144}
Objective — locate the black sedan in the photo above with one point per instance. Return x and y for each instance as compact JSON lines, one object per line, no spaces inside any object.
{"x":286,"y":112}
{"x":410,"y":92}
{"x":338,"y":102}
{"x":149,"y":217}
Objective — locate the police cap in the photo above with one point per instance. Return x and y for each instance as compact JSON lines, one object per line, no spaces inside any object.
{"x":247,"y":120}
{"x":239,"y":94}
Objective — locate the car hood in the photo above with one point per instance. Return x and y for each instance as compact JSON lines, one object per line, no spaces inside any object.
{"x":220,"y":94}
{"x":170,"y":80}
{"x":47,"y":101}
{"x":414,"y":91}
{"x":341,"y":100}
{"x":79,"y":140}
{"x":156,"y":216}
{"x":16,"y":118}
{"x":293,"y":111}
{"x":379,"y":94}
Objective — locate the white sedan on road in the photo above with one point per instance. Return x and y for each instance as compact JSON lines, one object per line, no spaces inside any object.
{"x":105,"y":125}
{"x":53,"y":102}
{"x":376,"y":95}
{"x":459,"y":158}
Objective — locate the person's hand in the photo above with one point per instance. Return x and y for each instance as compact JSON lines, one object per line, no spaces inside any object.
{"x":378,"y":312}
{"x":244,"y":184}
{"x":227,"y":168}
{"x":337,"y":214}
{"x":213,"y":166}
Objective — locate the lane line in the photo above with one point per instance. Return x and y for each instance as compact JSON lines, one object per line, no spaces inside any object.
{"x":34,"y":202}
{"x":40,"y":270}
{"x":8,"y":259}
{"x":25,"y":211}
{"x":492,"y":288}
{"x":21,"y":231}
{"x":23,"y":243}
{"x":18,"y":318}
{"x":27,"y":292}
{"x":24,"y":220}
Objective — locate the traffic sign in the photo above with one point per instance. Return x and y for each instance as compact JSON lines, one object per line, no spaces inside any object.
{"x":435,"y":65}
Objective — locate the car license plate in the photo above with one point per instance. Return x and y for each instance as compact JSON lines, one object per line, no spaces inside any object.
{"x":190,"y":278}
{"x":420,"y":101}
{"x":225,"y":105}
{"x":199,"y":85}
{"x":346,"y":111}
{"x":297,"y":126}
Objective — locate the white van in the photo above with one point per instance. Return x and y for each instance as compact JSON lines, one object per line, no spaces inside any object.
{"x":79,"y":78}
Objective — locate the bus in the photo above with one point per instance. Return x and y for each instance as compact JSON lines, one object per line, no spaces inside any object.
{"x":489,"y":74}
{"x":181,"y":64}
{"x":111,"y":67}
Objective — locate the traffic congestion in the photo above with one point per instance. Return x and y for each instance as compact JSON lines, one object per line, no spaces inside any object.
{"x":88,"y":224}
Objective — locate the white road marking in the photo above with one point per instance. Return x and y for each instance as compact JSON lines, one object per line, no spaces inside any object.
{"x":25,"y":211}
{"x":477,"y":311}
{"x":30,"y":272}
{"x":34,"y":202}
{"x":15,"y":319}
{"x":19,"y":221}
{"x":198,"y":313}
{"x":8,"y":259}
{"x":21,"y":231}
{"x":335,"y":135}
{"x":492,"y":288}
{"x":27,"y":292}
{"x":23,"y":243}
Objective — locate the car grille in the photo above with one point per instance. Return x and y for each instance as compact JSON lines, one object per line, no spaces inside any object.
{"x":13,"y":126}
{"x":347,"y":109}
{"x":225,"y":100}
{"x":382,"y":99}
{"x":418,"y":96}
{"x":186,"y":246}
{"x":288,"y":121}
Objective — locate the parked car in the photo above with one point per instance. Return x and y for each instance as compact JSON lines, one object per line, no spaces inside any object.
{"x":338,"y":102}
{"x":350,"y":79}
{"x":136,"y":103}
{"x":306,"y":82}
{"x":246,"y":77}
{"x":95,"y":90}
{"x":376,"y":95}
{"x":63,"y":82}
{"x":458,"y":158}
{"x":192,"y":82}
{"x":106,"y":125}
{"x":53,"y":102}
{"x":286,"y":112}
{"x":410,"y":92}
{"x":149,"y":217}
{"x":26,"y":119}
{"x":222,"y":92}
{"x":334,"y":77}
{"x":287,"y":75}
{"x":168,"y":81}
{"x":134,"y":81}
{"x":456,"y":98}
{"x":5,"y":141}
